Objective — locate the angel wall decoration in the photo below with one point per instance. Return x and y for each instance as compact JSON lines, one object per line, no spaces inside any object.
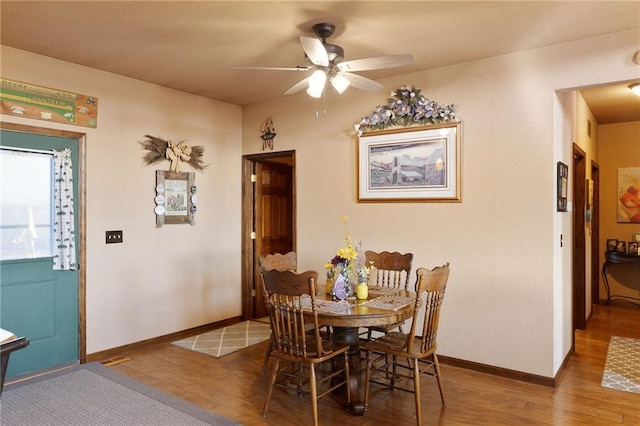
{"x":176,"y":153}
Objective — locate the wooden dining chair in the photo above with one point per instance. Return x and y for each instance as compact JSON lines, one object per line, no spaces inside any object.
{"x":279,"y":262}
{"x":391,"y":270}
{"x":304,"y":355}
{"x":419,"y":351}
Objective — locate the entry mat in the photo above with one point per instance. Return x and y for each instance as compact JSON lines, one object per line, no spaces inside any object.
{"x":622,"y":368}
{"x":229,"y":339}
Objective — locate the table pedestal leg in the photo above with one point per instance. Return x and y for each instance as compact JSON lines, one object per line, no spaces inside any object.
{"x":349,"y":336}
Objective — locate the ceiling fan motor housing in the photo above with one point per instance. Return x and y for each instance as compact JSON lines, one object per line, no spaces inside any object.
{"x":324,"y":30}
{"x":335,"y":53}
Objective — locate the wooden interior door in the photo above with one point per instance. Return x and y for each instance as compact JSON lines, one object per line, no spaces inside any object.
{"x":579,"y":240}
{"x":595,"y":235}
{"x":273,"y":217}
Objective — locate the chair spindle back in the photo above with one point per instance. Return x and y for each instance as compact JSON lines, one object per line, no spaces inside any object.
{"x":292,"y":308}
{"x":390,"y":269}
{"x":430,"y":289}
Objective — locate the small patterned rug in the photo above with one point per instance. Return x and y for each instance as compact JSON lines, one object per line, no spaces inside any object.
{"x":622,"y":368}
{"x":229,"y":339}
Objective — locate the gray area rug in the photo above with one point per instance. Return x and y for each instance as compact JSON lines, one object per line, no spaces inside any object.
{"x":228,"y":339}
{"x":91,"y":394}
{"x":622,"y":368}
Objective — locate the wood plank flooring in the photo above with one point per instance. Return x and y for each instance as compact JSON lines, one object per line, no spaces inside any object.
{"x":231,"y":386}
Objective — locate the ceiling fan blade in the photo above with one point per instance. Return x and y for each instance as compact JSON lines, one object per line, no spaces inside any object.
{"x":315,"y":51}
{"x":298,"y":86}
{"x":376,"y":63}
{"x":362,"y":83}
{"x":297,"y":68}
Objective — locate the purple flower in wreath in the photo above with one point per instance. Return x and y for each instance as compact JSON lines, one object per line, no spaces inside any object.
{"x":405,"y":107}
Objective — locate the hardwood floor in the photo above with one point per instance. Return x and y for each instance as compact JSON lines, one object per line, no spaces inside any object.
{"x":231,"y":386}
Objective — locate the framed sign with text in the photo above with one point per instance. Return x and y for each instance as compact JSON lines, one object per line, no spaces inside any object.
{"x":22,"y":99}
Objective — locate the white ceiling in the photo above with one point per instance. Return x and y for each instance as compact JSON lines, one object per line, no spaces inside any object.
{"x":192,"y":46}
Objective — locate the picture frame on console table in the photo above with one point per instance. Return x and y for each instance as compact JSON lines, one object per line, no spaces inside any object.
{"x":420,"y":164}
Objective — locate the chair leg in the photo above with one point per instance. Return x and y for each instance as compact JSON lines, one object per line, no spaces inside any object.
{"x":416,"y":389}
{"x":266,"y":357}
{"x":276,"y":365}
{"x":436,"y":366}
{"x":394,"y":371}
{"x":314,"y":394}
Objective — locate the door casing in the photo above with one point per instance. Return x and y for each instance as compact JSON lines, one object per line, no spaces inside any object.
{"x":249,"y":254}
{"x":579,"y":240}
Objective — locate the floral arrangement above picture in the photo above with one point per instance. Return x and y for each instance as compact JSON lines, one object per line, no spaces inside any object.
{"x":406,"y":107}
{"x":177,"y":153}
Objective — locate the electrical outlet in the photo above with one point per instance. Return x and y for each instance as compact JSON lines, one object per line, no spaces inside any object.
{"x":113,"y":237}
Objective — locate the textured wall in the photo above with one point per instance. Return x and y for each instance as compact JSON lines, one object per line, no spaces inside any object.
{"x":159,"y":280}
{"x":508,"y":302}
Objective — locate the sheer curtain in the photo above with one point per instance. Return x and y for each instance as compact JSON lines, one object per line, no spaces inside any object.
{"x":64,"y":246}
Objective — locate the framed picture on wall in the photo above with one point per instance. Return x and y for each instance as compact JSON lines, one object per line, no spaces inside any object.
{"x":628,"y":207}
{"x":175,"y":198}
{"x":563,"y":183}
{"x":410,"y":164}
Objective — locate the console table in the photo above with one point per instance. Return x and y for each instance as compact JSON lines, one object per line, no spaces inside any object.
{"x":628,"y":259}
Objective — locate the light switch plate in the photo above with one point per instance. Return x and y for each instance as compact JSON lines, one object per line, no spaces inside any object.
{"x":112,"y":237}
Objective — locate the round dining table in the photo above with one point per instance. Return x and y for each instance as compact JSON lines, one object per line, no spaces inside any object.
{"x":346,"y":324}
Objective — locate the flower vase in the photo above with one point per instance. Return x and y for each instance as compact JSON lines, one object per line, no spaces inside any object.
{"x":341,"y":288}
{"x":328,"y":287}
{"x":362,"y":290}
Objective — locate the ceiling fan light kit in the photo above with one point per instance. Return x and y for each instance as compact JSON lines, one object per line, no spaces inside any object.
{"x":316,"y":83}
{"x":635,"y":88}
{"x":327,"y":63}
{"x":340,"y":83}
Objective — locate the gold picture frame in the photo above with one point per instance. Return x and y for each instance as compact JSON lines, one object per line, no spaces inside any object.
{"x":411,"y":164}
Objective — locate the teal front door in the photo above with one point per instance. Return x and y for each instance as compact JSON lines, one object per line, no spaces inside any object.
{"x":36,"y":301}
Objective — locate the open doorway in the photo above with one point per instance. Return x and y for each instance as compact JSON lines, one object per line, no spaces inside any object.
{"x":579,"y":240}
{"x":268,"y":219}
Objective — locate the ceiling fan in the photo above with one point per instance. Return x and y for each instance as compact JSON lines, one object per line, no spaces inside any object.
{"x":327,"y":63}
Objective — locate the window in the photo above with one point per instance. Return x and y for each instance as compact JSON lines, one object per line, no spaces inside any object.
{"x":26,"y":189}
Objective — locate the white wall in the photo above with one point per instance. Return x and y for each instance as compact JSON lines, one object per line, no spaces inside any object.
{"x":159,"y":280}
{"x":507,"y":299}
{"x":509,"y":291}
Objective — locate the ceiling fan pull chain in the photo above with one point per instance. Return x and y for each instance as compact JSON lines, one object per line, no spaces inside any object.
{"x":324,"y":102}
